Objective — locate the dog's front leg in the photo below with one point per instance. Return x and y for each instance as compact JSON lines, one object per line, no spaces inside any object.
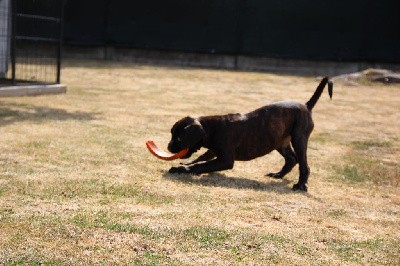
{"x":218,"y":164}
{"x":212,"y":166}
{"x":208,"y":155}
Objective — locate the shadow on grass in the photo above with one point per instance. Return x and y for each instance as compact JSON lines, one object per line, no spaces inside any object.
{"x":222,"y":180}
{"x":13,"y":113}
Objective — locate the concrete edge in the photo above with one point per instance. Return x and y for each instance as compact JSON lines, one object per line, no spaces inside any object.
{"x":221,"y":61}
{"x":32,"y":90}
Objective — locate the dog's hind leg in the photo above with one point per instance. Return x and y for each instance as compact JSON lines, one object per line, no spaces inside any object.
{"x":300,"y":148}
{"x":290,"y":162}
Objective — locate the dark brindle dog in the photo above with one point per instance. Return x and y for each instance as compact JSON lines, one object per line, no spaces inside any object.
{"x":244,"y":137}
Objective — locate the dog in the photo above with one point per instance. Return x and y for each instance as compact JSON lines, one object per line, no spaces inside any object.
{"x":242,"y":137}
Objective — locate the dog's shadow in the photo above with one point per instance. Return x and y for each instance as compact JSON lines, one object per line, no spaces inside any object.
{"x":222,"y":180}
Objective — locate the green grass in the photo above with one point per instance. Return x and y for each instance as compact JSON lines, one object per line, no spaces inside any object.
{"x":207,"y":237}
{"x":352,"y":173}
{"x":235,"y":243}
{"x":151,"y":258}
{"x":368,"y":144}
{"x":361,"y":169}
{"x":85,"y":188}
{"x":105,"y":221}
{"x":322,"y":137}
{"x":31,"y":261}
{"x":337,"y":213}
{"x":364,"y":163}
{"x":6,"y":214}
{"x":386,"y":252}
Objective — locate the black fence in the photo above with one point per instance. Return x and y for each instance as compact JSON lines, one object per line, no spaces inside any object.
{"x":365,"y":30}
{"x":33,"y":37}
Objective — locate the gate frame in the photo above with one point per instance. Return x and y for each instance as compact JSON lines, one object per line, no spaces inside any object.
{"x":15,"y":37}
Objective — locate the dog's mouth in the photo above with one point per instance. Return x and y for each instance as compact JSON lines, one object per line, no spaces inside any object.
{"x":176,"y":146}
{"x":192,"y":150}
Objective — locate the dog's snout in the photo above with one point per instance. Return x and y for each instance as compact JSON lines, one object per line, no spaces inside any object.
{"x":173,"y":147}
{"x":169,"y":146}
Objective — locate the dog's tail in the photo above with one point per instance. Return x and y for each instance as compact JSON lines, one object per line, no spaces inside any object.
{"x":313,"y":100}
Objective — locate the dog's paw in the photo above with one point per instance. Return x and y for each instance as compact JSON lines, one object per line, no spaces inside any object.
{"x":179,"y":170}
{"x":275,"y":175}
{"x":300,"y":187}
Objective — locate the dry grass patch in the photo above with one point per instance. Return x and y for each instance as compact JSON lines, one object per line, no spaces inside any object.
{"x":77,"y":185}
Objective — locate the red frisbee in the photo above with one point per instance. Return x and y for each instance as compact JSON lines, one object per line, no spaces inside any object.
{"x":162,"y":154}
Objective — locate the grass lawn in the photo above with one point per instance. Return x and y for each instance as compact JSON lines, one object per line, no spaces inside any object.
{"x":78,"y":186}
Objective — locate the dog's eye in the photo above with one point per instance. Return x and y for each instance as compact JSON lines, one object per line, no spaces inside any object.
{"x":179,"y":139}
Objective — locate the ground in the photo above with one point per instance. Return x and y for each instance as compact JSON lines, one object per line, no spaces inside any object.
{"x":78,"y":187}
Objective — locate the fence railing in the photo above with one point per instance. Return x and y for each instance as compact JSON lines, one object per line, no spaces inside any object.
{"x":33,"y":38}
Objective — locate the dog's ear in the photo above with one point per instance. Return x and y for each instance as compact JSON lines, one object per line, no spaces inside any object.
{"x":194,"y":133}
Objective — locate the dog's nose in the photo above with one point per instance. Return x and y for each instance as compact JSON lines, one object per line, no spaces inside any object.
{"x":174,"y":146}
{"x":171,"y":146}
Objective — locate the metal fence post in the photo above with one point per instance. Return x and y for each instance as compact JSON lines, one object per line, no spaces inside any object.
{"x":61,"y":26}
{"x":13,"y":37}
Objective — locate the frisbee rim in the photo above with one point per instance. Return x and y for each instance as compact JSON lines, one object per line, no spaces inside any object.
{"x":163,"y":155}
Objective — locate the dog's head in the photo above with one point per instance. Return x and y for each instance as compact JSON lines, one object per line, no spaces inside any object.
{"x":187,"y":133}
